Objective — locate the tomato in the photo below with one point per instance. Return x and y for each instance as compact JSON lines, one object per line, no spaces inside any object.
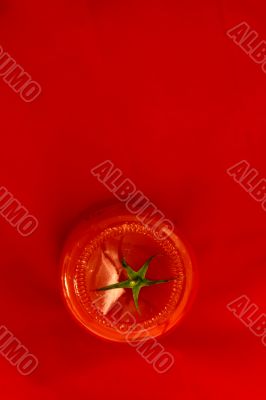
{"x":100,"y":265}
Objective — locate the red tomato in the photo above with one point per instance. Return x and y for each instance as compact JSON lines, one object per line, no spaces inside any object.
{"x":92,"y":259}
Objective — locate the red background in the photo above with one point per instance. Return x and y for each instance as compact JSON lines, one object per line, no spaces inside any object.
{"x":158,"y":88}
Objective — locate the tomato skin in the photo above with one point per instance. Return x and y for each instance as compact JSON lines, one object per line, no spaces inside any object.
{"x":110,"y":234}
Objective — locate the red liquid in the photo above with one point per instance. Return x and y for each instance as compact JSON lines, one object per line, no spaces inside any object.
{"x":92,"y":259}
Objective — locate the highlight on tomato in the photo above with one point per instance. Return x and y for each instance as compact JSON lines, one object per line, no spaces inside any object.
{"x":123,"y":283}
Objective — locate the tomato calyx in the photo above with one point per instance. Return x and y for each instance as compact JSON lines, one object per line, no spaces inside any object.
{"x":136,"y":280}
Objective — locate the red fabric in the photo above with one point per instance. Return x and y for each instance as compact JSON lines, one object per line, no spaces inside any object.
{"x":158,"y":88}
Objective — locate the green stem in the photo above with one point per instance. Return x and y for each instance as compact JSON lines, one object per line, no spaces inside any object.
{"x":136,"y":280}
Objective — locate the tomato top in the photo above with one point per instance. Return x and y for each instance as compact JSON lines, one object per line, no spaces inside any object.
{"x":98,"y":266}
